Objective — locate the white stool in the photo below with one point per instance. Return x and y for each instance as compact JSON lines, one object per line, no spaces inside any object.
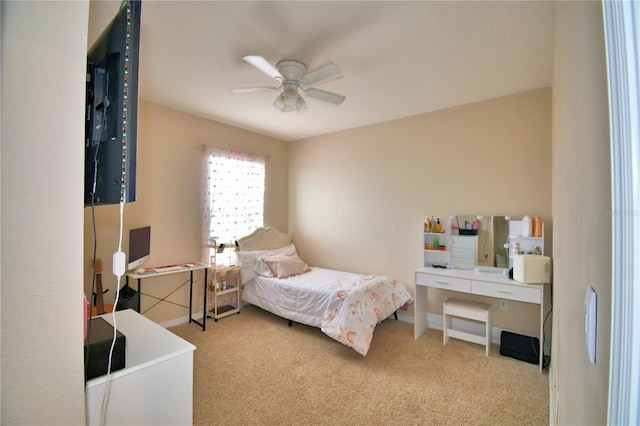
{"x":469,"y":310}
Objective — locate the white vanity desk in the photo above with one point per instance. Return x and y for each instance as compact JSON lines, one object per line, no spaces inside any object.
{"x":491,"y":284}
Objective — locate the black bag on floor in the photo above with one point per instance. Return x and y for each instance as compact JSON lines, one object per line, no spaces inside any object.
{"x":524,"y":348}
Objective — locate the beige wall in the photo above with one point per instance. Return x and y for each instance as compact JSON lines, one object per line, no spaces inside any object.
{"x":169,"y":199}
{"x":581,"y":198}
{"x":357,"y":199}
{"x":43,"y":71}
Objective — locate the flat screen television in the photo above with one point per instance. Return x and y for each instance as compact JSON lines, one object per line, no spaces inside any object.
{"x":112,"y":110}
{"x":139,"y":246}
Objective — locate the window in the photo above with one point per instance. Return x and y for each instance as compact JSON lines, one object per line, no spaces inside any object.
{"x":233,"y":198}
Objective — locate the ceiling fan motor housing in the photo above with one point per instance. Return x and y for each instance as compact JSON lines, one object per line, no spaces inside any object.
{"x":291,"y":70}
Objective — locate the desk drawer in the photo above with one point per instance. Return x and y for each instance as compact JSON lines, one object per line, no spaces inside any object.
{"x":505,"y":291}
{"x":447,"y":283}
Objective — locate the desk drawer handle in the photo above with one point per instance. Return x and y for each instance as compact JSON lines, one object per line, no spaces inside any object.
{"x":505,"y":292}
{"x":442,"y":282}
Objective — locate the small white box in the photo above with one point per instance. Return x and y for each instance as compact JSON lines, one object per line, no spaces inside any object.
{"x":532,"y":269}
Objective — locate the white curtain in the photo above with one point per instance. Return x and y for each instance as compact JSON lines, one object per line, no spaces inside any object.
{"x":233,"y":196}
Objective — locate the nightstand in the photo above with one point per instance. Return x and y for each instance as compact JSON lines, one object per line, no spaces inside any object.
{"x":225,"y":287}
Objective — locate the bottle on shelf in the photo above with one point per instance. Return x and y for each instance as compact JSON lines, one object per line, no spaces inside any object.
{"x":515,"y":248}
{"x":537,"y":226}
{"x":438,"y":226}
{"x":526,"y":226}
{"x":455,"y":229}
{"x":427,"y":224}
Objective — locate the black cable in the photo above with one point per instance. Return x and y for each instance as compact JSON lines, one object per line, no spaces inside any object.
{"x":544,"y":323}
{"x":545,"y":357}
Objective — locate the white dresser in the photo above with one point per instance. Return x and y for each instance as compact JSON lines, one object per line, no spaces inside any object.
{"x":156,"y":385}
{"x":491,"y":284}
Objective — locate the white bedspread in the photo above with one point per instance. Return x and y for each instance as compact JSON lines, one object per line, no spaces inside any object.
{"x":344,"y":305}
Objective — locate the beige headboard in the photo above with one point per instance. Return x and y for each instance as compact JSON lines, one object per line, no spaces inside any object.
{"x":264,"y":239}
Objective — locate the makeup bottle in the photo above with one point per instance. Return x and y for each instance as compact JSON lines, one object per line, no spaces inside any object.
{"x":526,"y":226}
{"x":427,"y":225}
{"x":438,"y":227}
{"x":537,"y":226}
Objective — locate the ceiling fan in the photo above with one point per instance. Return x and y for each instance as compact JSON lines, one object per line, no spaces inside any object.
{"x":293,"y":77}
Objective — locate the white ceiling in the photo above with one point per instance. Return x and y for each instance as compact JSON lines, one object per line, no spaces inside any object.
{"x":398,"y":58}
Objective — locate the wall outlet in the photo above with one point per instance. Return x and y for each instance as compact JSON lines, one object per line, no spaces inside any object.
{"x":504,"y":305}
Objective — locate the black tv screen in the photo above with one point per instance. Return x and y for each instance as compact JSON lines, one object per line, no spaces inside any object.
{"x":112,"y":110}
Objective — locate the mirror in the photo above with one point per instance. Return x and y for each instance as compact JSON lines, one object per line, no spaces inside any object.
{"x":491,"y":233}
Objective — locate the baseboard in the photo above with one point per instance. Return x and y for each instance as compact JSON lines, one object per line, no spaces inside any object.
{"x":179,"y":321}
{"x":404,"y":318}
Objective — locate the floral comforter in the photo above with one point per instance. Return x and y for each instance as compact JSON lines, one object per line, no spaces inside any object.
{"x":345,"y":306}
{"x":356,"y":309}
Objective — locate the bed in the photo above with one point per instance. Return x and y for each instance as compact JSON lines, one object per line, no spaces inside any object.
{"x":346,"y":306}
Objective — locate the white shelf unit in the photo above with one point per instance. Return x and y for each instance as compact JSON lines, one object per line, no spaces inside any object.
{"x":226,"y":292}
{"x":442,"y":254}
{"x":224,"y":284}
{"x":460,"y":250}
{"x":527,"y":244}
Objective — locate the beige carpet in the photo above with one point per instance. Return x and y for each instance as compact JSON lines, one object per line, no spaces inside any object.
{"x":253,"y":368}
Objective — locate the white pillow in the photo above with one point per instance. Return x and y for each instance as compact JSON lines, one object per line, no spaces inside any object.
{"x":248,"y":260}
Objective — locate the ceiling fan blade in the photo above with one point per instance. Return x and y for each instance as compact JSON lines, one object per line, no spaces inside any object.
{"x":323,"y":95}
{"x":322,"y":73}
{"x":255,"y":89}
{"x":264,"y":66}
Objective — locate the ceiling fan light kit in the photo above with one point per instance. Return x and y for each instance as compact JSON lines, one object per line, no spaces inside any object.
{"x":290,"y":99}
{"x":292,"y":75}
